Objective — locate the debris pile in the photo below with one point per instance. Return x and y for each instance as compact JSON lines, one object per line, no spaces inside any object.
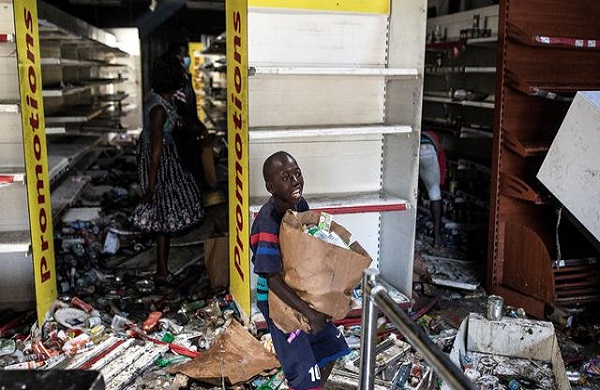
{"x":112,"y":318}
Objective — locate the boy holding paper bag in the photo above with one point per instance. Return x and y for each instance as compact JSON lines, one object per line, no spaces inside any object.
{"x":306,"y":358}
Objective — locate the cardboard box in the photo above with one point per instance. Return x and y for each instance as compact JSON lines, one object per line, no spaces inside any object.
{"x":216,"y":260}
{"x":513,"y":338}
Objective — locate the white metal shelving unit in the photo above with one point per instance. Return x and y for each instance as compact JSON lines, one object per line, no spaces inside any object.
{"x":339,"y":86}
{"x":16,"y":268}
{"x":71,"y":51}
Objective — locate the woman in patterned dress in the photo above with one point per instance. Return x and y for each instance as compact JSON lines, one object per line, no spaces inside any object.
{"x":171,"y":203}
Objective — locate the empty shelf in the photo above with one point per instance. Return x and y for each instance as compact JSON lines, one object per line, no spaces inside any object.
{"x":11,"y":175}
{"x":75,"y":115}
{"x":65,"y":91}
{"x":443,"y":70}
{"x":525,"y":148}
{"x":64,"y":195}
{"x":515,"y":187}
{"x":267,"y":133}
{"x":7,"y":38}
{"x":331,"y":71}
{"x":520,"y":35}
{"x":561,"y":90}
{"x":468,"y":103}
{"x":10,"y":107}
{"x":349,"y":203}
{"x":15,"y":241}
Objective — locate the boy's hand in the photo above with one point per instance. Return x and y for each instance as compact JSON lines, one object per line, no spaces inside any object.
{"x":317,"y":321}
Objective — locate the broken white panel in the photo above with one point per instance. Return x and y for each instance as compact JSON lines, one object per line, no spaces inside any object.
{"x":571,"y":169}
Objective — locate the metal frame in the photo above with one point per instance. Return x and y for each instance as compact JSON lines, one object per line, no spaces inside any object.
{"x":375,"y":296}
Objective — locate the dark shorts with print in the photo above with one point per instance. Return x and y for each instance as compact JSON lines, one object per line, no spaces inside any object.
{"x":302,"y":359}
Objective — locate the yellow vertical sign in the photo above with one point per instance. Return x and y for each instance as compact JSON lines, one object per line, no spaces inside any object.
{"x":36,"y":158}
{"x":236,"y":12}
{"x":195,"y":50}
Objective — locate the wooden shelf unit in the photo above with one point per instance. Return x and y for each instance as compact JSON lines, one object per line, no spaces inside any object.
{"x":540,"y":68}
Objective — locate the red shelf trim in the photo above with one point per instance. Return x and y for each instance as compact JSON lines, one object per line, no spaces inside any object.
{"x":7,"y":38}
{"x":571,"y":42}
{"x":362,"y":209}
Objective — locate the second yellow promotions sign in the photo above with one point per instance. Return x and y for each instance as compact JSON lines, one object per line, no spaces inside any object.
{"x":36,"y":158}
{"x":236,"y":13}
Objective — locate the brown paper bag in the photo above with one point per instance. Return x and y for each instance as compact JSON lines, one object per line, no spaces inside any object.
{"x":322,"y":274}
{"x":216,"y":260}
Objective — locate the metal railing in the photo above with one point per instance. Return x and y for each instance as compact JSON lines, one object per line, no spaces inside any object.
{"x":375,"y":296}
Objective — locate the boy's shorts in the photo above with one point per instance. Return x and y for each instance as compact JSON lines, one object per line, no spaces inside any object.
{"x":302,"y":359}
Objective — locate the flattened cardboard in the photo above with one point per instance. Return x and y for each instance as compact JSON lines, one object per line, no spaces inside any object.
{"x":236,"y":355}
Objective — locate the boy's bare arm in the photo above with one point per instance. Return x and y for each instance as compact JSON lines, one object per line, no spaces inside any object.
{"x":316,"y":319}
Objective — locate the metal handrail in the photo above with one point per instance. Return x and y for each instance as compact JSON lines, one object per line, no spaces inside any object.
{"x":374,"y":294}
